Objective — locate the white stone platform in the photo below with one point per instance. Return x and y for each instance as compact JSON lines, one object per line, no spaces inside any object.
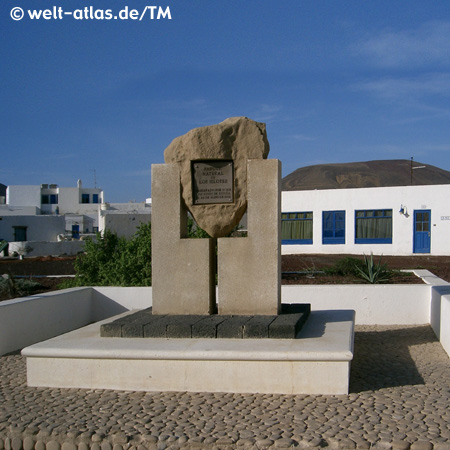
{"x":317,"y":362}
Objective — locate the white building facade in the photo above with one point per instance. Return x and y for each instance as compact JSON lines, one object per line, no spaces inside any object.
{"x":403,"y":220}
{"x":53,"y":220}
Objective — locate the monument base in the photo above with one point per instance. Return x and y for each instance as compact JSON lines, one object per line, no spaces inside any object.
{"x":144,"y":324}
{"x":316,"y":362}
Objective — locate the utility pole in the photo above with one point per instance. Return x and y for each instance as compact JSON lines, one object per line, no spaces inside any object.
{"x":411,"y":171}
{"x":414,"y":168}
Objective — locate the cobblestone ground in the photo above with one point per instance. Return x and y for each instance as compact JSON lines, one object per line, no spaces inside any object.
{"x":399,"y":399}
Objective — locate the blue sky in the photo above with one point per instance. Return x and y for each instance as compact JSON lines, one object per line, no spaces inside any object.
{"x":334,"y":80}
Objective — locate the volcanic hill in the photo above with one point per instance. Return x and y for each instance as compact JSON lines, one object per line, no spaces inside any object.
{"x":397,"y":172}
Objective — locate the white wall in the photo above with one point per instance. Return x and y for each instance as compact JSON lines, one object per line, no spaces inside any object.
{"x":35,"y":248}
{"x":111,"y":300}
{"x":7,"y":210}
{"x":383,"y":304}
{"x":39,"y":228}
{"x":69,"y":202}
{"x":28,"y":320}
{"x":436,"y":198}
{"x":124,"y":224}
{"x":36,"y":318}
{"x":23,"y":196}
{"x":444,"y":335}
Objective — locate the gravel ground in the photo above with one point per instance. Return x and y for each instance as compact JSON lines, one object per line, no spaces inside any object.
{"x":399,"y":399}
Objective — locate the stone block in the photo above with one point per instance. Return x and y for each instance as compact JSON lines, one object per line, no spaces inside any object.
{"x":232,"y":327}
{"x":182,"y":269}
{"x":156,"y":328}
{"x":249,"y":268}
{"x":111,"y":330}
{"x":236,"y":139}
{"x":181,"y":326}
{"x":207,"y":327}
{"x":287,"y":326}
{"x":135,"y":327}
{"x":258,"y":327}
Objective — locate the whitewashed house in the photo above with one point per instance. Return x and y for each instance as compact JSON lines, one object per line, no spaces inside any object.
{"x":400,"y":220}
{"x":52,"y":220}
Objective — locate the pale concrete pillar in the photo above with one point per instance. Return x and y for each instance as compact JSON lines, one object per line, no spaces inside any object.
{"x":249,"y":269}
{"x":183,"y":270}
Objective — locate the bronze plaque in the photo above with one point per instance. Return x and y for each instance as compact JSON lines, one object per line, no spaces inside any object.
{"x":212,"y":182}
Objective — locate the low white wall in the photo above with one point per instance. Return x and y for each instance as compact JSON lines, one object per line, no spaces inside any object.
{"x":28,"y":320}
{"x":32,"y":319}
{"x":110,"y":300}
{"x":388,"y":304}
{"x":445,"y":323}
{"x":38,"y":248}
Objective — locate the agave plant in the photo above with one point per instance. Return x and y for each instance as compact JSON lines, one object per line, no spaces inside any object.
{"x":372,"y":272}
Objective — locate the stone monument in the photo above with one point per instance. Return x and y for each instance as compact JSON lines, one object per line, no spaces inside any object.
{"x":216,"y":174}
{"x":250,"y":342}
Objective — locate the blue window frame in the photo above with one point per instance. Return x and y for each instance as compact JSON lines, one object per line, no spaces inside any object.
{"x":333,"y":227}
{"x":373,"y":226}
{"x":94,"y":198}
{"x":297,"y":228}
{"x":84,"y":198}
{"x":53,"y":199}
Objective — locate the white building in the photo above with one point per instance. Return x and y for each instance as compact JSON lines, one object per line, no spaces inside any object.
{"x":80,"y":206}
{"x":39,"y":217}
{"x":124,"y":218}
{"x":403,"y":220}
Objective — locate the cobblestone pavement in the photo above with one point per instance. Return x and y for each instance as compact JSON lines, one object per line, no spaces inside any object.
{"x":399,"y":399}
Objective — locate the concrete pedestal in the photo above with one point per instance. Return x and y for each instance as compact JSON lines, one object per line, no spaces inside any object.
{"x":183,"y":270}
{"x":316,"y":362}
{"x":249,"y":269}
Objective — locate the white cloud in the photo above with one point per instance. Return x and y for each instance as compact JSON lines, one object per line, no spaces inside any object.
{"x":429,"y":44}
{"x":266,"y":113}
{"x":409,"y":87}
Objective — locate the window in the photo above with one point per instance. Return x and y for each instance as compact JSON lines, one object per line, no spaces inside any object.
{"x":84,"y":198}
{"x":333,"y":227}
{"x":51,"y":199}
{"x":373,"y":226}
{"x":20,"y":234}
{"x":297,"y":228}
{"x":94,"y":198}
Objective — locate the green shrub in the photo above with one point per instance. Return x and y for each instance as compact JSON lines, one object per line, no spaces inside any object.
{"x":366,"y":270}
{"x":347,"y":266}
{"x":115,"y":261}
{"x":17,"y":287}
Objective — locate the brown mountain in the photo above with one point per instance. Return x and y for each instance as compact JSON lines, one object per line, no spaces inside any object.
{"x":397,"y":172}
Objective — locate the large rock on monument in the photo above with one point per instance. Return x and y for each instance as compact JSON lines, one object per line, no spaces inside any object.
{"x":235,"y":139}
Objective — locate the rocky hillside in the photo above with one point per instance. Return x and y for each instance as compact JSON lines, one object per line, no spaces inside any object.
{"x":396,"y":172}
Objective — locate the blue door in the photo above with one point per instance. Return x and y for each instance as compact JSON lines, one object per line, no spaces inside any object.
{"x":76,"y":231}
{"x":422,"y":231}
